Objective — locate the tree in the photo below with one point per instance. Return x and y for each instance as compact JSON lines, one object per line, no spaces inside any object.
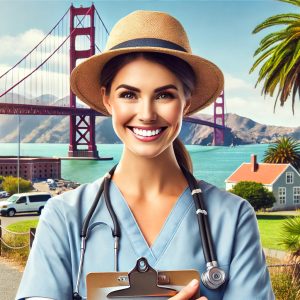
{"x":257,"y":195}
{"x":285,"y":150}
{"x":280,"y":51}
{"x":1,"y":180}
{"x":10,"y":184}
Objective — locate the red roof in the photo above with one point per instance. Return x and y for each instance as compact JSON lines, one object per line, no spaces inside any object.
{"x":265,"y":173}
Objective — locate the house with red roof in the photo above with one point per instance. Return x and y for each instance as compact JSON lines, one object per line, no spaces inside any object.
{"x":282,"y":179}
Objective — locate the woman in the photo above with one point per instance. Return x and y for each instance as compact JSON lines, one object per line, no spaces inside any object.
{"x":147,"y":79}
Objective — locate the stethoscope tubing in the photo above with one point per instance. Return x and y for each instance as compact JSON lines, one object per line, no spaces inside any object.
{"x":202,"y":217}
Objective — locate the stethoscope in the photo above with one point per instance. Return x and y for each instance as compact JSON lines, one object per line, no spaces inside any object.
{"x":213,"y":278}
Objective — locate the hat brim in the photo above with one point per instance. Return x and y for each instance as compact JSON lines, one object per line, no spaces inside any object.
{"x":85,"y":78}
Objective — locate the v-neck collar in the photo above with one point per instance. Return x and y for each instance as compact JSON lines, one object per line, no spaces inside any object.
{"x":130,"y":227}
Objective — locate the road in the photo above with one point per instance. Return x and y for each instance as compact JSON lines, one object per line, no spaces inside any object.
{"x":10,"y":277}
{"x":5,"y":221}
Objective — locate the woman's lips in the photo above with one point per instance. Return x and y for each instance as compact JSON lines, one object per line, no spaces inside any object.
{"x":147,"y":134}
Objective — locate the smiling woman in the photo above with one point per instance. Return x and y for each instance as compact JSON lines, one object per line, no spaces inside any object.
{"x":149,"y":205}
{"x":152,"y":109}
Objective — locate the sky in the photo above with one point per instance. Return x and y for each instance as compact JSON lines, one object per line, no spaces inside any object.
{"x":220,"y":31}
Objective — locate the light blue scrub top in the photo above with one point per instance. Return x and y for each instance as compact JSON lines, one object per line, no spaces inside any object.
{"x":52,"y":267}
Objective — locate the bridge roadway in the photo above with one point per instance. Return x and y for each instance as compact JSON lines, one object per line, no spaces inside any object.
{"x":27,"y":109}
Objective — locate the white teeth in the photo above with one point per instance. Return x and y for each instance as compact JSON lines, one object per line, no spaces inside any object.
{"x":144,"y":132}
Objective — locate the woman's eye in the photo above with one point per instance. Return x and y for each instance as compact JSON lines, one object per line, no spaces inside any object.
{"x":127,"y":95}
{"x":165,"y":96}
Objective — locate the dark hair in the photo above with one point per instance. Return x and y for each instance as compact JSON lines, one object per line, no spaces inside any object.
{"x":177,"y":66}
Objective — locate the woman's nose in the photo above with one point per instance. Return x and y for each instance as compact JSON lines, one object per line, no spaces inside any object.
{"x":147,"y":111}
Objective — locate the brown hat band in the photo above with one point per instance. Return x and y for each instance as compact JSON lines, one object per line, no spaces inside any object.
{"x":149,"y":42}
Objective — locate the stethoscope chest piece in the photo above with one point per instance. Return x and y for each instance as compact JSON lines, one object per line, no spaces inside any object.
{"x":213,"y":277}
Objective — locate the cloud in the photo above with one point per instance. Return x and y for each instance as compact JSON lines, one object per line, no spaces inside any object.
{"x":16,"y":47}
{"x":233,"y":83}
{"x":260,"y":109}
{"x":53,"y":74}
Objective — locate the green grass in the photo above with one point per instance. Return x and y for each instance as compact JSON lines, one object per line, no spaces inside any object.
{"x":270,"y":228}
{"x":23,"y":226}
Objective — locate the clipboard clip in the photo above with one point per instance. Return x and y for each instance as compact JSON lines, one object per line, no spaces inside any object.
{"x":143,"y":280}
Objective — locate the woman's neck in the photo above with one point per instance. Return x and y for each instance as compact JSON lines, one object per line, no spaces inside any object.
{"x":148,"y":177}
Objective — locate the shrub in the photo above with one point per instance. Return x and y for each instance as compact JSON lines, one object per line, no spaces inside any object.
{"x":10,"y":184}
{"x":284,"y":285}
{"x":258,"y":196}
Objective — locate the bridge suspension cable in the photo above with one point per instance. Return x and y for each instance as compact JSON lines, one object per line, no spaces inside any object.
{"x":49,"y":33}
{"x":38,"y":65}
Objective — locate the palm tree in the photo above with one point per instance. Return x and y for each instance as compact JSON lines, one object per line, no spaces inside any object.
{"x":280,"y":51}
{"x":290,"y":235}
{"x":284,"y":150}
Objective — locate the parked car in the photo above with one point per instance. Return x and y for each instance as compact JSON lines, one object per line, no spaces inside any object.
{"x":25,"y":202}
{"x":52,"y":186}
{"x":4,"y":194}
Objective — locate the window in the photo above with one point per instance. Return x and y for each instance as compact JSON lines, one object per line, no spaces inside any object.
{"x":39,"y":198}
{"x":296,"y":193}
{"x":21,"y":200}
{"x":289,"y":177}
{"x":281,"y":195}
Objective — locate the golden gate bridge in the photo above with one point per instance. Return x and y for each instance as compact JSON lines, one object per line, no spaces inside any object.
{"x":38,"y":84}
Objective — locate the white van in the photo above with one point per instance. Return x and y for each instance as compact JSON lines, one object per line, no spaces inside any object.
{"x":26,"y":202}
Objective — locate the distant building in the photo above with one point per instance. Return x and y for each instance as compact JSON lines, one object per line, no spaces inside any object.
{"x":31,"y":167}
{"x":282,"y":179}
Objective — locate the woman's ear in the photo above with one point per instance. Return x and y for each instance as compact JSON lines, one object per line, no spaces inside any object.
{"x":187,"y":106}
{"x":105,"y":99}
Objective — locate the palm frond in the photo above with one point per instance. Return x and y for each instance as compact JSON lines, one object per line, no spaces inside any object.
{"x":272,"y":39}
{"x":295,"y":88}
{"x":262,"y":58}
{"x":281,"y":19}
{"x":295,"y":58}
{"x":294,"y":2}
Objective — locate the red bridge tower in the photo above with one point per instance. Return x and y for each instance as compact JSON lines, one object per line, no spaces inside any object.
{"x":219,"y":120}
{"x":82,"y":127}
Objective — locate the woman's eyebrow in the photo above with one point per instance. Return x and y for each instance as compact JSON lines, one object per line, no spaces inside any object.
{"x":125,"y":86}
{"x":168,"y":86}
{"x":132,"y":88}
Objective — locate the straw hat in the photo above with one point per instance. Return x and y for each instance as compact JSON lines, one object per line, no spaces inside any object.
{"x":147,"y":31}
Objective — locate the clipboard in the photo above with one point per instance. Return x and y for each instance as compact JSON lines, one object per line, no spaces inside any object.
{"x":141,"y":283}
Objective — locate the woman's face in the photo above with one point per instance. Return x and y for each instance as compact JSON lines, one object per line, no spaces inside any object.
{"x":147,"y":104}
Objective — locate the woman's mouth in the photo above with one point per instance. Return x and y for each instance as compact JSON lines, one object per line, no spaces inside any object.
{"x":147,"y":135}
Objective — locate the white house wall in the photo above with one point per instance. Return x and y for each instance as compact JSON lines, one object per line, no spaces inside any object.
{"x":229,"y":185}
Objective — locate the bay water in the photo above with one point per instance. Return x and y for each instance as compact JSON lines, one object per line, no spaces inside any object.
{"x":211,"y":163}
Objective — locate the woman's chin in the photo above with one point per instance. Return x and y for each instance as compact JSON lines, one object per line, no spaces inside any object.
{"x":146,"y":152}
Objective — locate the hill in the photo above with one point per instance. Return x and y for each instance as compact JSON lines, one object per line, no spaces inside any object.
{"x":55,"y":129}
